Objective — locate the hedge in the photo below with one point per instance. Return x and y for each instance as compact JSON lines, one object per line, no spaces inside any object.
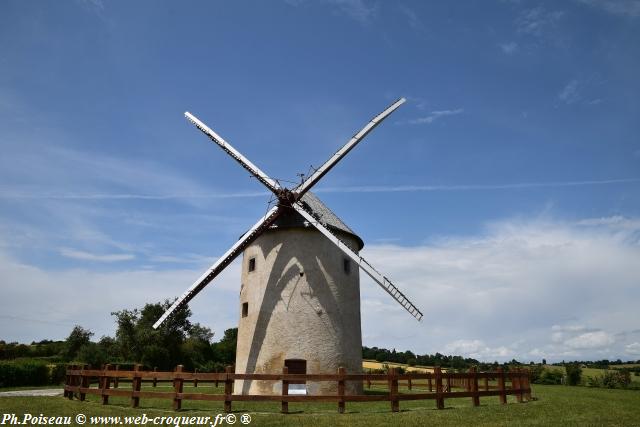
{"x":30,"y":373}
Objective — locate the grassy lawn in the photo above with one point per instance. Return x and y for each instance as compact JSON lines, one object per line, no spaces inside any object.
{"x":555,"y":405}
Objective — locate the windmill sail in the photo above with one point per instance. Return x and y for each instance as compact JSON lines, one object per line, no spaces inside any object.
{"x":244,"y":162}
{"x":221,"y":263}
{"x":333,"y":160}
{"x":289,"y":199}
{"x":381,"y":280}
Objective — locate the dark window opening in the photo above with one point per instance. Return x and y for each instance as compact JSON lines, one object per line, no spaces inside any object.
{"x":296,"y":366}
{"x":245,"y":309}
{"x":252,"y":264}
{"x":346,"y":265}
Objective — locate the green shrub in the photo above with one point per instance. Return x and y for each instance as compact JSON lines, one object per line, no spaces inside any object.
{"x":534,"y":373}
{"x":594,"y":382}
{"x":574,"y":373}
{"x":550,"y":376}
{"x":57,"y":373}
{"x":23,"y":373}
{"x":614,"y":379}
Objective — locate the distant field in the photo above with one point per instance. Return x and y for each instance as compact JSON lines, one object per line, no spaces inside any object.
{"x":598,"y":373}
{"x":555,"y":405}
{"x":372,"y":364}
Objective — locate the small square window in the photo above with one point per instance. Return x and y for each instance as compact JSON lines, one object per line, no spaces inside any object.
{"x":245,"y":309}
{"x":346,"y":265}
{"x":252,"y":264}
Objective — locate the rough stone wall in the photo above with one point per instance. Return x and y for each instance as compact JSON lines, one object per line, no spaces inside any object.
{"x":301,"y":305}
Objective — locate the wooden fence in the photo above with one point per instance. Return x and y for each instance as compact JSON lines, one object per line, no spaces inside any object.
{"x":437,"y":386}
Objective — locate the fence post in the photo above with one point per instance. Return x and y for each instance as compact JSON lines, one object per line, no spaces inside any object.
{"x":155,"y":379}
{"x":228,"y":384}
{"x":409,"y":385}
{"x":474,"y":386}
{"x":439,"y":398}
{"x":516,"y":384}
{"x":503,"y":394}
{"x":393,"y":389}
{"x":136,"y":382}
{"x":106,"y":383}
{"x":527,"y":385}
{"x":285,"y":392}
{"x":430,"y":384}
{"x":195,"y":377}
{"x":341,"y":373}
{"x":71,"y":380}
{"x":84,"y":382}
{"x":67,"y":382}
{"x":116,"y":379}
{"x":368,"y":382}
{"x":178,"y":387}
{"x":486,"y":383}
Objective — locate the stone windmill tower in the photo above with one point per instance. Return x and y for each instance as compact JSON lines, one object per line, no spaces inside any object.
{"x":300,"y":287}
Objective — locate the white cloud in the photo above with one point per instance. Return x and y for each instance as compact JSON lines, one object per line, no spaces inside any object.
{"x":49,"y":301}
{"x":468,"y":187}
{"x":435,"y":115}
{"x":537,"y":21}
{"x":86,"y":256}
{"x":633,"y":349}
{"x":629,"y":8}
{"x":477,"y":349}
{"x":412,"y":17}
{"x":521,"y":278}
{"x":570,"y":92}
{"x":590,"y":340}
{"x":359,"y":10}
{"x":523,"y":289}
{"x":509,"y":48}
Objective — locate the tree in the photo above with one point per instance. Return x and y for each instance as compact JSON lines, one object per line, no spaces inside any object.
{"x":574,"y":373}
{"x":76,"y":339}
{"x":137,"y":341}
{"x":197,"y":350}
{"x":92,"y":354}
{"x":224,"y":351}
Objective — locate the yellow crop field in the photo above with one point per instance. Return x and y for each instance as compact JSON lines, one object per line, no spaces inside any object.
{"x":372,"y":364}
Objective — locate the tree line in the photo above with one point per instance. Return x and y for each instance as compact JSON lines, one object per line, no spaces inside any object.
{"x":178,"y":341}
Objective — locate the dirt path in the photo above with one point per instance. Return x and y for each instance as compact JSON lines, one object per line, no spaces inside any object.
{"x":38,"y":392}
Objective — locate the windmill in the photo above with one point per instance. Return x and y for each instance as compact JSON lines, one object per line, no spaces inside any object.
{"x":300,"y":298}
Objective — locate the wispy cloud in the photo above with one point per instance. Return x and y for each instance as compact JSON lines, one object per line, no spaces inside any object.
{"x":87,"y":256}
{"x":412,"y":18}
{"x":537,"y":21}
{"x":345,"y":189}
{"x":470,"y":187}
{"x":21,"y":194}
{"x":629,"y":8}
{"x":435,"y":115}
{"x":359,"y":10}
{"x":570,"y":93}
{"x":509,"y":48}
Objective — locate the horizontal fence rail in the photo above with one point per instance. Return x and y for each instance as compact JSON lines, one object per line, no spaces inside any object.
{"x":437,"y":386}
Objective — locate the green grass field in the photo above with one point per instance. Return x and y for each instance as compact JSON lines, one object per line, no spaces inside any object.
{"x":554,"y":405}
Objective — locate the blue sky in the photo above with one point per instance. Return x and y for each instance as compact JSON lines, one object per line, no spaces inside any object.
{"x":509,"y":179}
